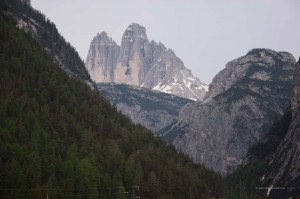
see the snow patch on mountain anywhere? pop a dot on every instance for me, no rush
(139, 62)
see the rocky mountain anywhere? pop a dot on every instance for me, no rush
(44, 31)
(243, 102)
(152, 109)
(61, 139)
(102, 58)
(271, 167)
(283, 166)
(142, 63)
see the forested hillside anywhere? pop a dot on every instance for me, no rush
(58, 137)
(45, 31)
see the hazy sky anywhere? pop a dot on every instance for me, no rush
(204, 34)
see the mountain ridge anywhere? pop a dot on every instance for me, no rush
(283, 166)
(153, 109)
(273, 163)
(244, 100)
(54, 44)
(141, 62)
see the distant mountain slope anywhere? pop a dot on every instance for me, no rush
(243, 102)
(60, 139)
(34, 22)
(152, 109)
(141, 63)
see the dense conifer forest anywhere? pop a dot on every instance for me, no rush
(45, 31)
(62, 139)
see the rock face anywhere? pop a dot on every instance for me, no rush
(102, 58)
(141, 63)
(243, 102)
(152, 109)
(283, 166)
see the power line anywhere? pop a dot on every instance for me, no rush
(61, 189)
(40, 191)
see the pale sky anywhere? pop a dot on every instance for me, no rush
(204, 34)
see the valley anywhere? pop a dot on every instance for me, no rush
(132, 121)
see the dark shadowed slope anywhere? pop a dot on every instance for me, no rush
(59, 137)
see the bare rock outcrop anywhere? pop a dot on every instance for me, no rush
(141, 63)
(283, 166)
(243, 102)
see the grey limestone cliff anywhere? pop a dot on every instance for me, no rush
(283, 166)
(142, 63)
(135, 56)
(243, 101)
(102, 57)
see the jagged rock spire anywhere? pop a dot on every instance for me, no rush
(142, 63)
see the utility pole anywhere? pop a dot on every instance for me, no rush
(133, 194)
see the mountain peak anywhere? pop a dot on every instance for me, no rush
(103, 39)
(243, 101)
(102, 34)
(265, 53)
(135, 30)
(255, 51)
(242, 68)
(135, 27)
(101, 70)
(142, 63)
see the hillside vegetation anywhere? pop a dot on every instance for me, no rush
(58, 137)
